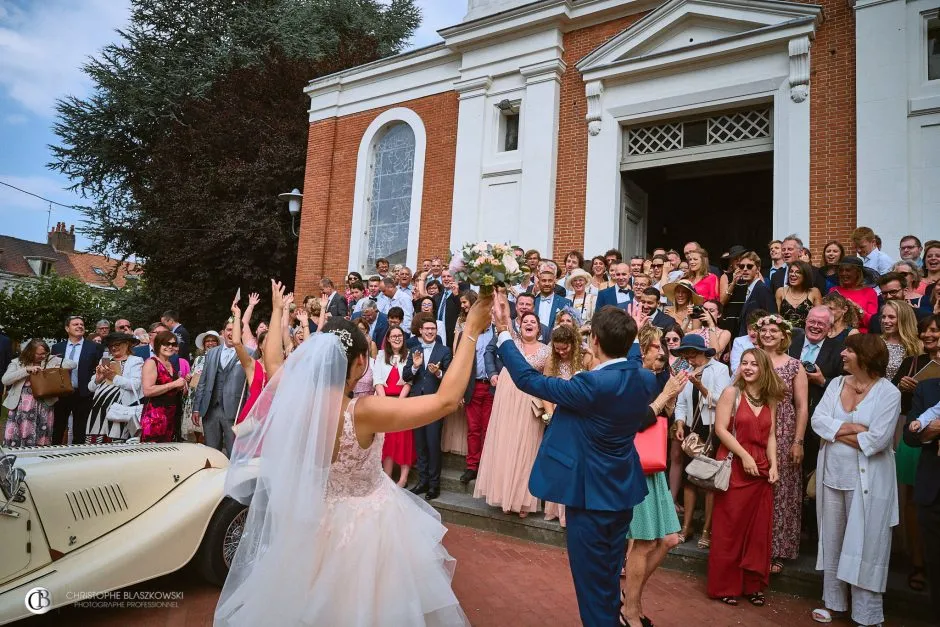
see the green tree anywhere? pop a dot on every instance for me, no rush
(196, 123)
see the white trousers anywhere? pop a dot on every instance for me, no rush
(867, 607)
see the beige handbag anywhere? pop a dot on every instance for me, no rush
(692, 444)
(712, 474)
(50, 382)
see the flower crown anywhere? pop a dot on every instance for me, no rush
(783, 323)
(345, 339)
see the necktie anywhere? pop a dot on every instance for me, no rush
(442, 308)
(809, 352)
(73, 348)
(623, 290)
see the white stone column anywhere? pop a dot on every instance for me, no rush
(603, 207)
(539, 146)
(471, 118)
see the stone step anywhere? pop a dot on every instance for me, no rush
(450, 482)
(462, 509)
(453, 461)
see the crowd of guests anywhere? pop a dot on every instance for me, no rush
(819, 382)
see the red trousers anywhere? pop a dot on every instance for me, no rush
(478, 419)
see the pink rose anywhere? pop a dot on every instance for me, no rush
(457, 265)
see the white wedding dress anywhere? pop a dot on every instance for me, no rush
(329, 542)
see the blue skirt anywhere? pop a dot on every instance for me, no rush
(655, 517)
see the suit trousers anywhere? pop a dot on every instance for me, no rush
(478, 419)
(428, 445)
(79, 407)
(596, 545)
(217, 430)
(929, 517)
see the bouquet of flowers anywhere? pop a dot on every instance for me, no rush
(487, 265)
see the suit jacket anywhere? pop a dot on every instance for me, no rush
(761, 297)
(587, 458)
(423, 382)
(608, 296)
(233, 393)
(451, 311)
(337, 306)
(87, 362)
(662, 320)
(144, 353)
(558, 302)
(182, 336)
(828, 360)
(381, 327)
(819, 281)
(927, 479)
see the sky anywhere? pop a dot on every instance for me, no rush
(43, 44)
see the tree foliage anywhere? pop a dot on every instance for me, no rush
(39, 307)
(195, 124)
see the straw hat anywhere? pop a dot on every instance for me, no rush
(577, 273)
(202, 338)
(670, 291)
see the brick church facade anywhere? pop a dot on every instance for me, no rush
(590, 124)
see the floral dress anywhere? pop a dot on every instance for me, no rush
(788, 495)
(188, 428)
(896, 354)
(159, 414)
(30, 424)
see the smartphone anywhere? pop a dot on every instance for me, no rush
(238, 295)
(679, 365)
(106, 362)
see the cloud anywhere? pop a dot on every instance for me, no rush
(435, 15)
(44, 44)
(15, 119)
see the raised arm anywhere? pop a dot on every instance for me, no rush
(381, 414)
(273, 353)
(246, 360)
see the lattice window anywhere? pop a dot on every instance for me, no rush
(737, 126)
(389, 204)
(708, 131)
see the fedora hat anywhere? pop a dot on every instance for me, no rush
(670, 291)
(577, 273)
(695, 342)
(735, 251)
(116, 337)
(202, 338)
(869, 276)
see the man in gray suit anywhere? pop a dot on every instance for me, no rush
(220, 394)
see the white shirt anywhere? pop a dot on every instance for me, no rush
(482, 341)
(73, 352)
(715, 378)
(738, 347)
(878, 261)
(228, 352)
(621, 297)
(545, 309)
(609, 362)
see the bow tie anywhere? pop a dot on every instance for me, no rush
(623, 290)
(373, 298)
(426, 346)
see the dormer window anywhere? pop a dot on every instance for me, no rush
(41, 266)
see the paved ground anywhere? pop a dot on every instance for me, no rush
(500, 581)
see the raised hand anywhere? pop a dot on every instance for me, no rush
(675, 384)
(236, 310)
(480, 314)
(636, 312)
(277, 295)
(500, 309)
(417, 359)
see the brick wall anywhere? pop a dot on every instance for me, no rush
(832, 132)
(329, 187)
(832, 203)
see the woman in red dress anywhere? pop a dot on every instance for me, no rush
(399, 447)
(164, 389)
(852, 277)
(742, 521)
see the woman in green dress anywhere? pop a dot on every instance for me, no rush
(654, 529)
(907, 457)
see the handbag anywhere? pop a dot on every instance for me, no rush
(50, 382)
(712, 474)
(538, 408)
(651, 447)
(692, 445)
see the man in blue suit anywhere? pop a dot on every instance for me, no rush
(378, 321)
(587, 459)
(426, 366)
(78, 403)
(620, 295)
(547, 302)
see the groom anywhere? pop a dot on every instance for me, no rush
(587, 460)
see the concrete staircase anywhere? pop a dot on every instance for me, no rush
(800, 577)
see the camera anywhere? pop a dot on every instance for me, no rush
(698, 311)
(809, 366)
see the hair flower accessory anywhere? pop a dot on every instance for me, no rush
(345, 339)
(783, 323)
(487, 265)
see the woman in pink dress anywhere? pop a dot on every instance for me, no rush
(514, 433)
(705, 283)
(565, 361)
(253, 366)
(399, 447)
(163, 387)
(852, 286)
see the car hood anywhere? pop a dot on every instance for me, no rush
(84, 492)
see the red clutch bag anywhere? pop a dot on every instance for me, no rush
(651, 447)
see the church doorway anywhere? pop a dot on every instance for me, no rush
(717, 202)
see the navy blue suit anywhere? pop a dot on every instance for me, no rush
(609, 297)
(144, 353)
(588, 462)
(761, 297)
(381, 327)
(558, 302)
(79, 402)
(428, 437)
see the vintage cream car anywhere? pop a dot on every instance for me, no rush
(80, 520)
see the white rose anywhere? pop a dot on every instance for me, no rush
(480, 248)
(510, 263)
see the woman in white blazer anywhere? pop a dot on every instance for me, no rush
(117, 382)
(29, 422)
(856, 482)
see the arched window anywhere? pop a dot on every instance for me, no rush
(388, 204)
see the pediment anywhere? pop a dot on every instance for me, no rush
(689, 28)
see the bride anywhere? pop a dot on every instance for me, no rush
(329, 538)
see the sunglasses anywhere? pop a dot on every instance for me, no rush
(172, 344)
(746, 266)
(658, 265)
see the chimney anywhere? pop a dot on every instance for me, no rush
(61, 239)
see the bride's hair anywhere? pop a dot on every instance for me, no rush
(359, 345)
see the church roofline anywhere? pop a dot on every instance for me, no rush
(409, 58)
